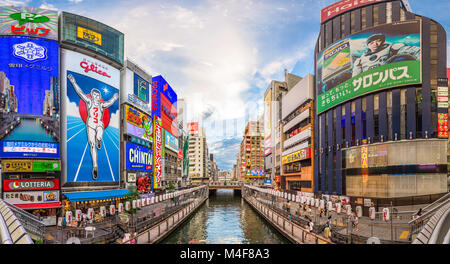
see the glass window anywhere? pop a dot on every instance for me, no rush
(363, 17)
(389, 115)
(403, 113)
(388, 12)
(375, 15)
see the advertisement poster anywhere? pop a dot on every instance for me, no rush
(193, 127)
(343, 6)
(169, 116)
(296, 156)
(141, 88)
(92, 109)
(267, 123)
(28, 80)
(374, 59)
(157, 153)
(171, 142)
(31, 197)
(138, 124)
(138, 158)
(442, 125)
(29, 22)
(30, 166)
(30, 185)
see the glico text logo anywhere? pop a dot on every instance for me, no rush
(92, 67)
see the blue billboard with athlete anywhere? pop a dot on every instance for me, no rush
(92, 110)
(29, 118)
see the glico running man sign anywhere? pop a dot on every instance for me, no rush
(375, 59)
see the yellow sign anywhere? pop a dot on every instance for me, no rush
(89, 35)
(296, 156)
(364, 157)
(18, 166)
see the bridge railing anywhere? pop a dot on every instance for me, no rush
(226, 183)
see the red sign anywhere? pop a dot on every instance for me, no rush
(169, 116)
(343, 6)
(30, 185)
(30, 31)
(442, 125)
(193, 127)
(180, 154)
(277, 179)
(157, 153)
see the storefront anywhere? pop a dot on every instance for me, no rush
(34, 186)
(139, 167)
(93, 200)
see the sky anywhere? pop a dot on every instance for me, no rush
(219, 55)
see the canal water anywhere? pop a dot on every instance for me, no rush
(225, 219)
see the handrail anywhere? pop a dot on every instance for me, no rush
(17, 234)
(29, 221)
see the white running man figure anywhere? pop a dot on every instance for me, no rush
(94, 122)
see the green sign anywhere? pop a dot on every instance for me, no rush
(44, 166)
(387, 76)
(24, 18)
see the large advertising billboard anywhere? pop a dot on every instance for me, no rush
(267, 123)
(170, 141)
(28, 80)
(193, 127)
(29, 22)
(374, 59)
(135, 90)
(93, 35)
(164, 104)
(138, 124)
(92, 126)
(138, 158)
(169, 116)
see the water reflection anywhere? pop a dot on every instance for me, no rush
(225, 219)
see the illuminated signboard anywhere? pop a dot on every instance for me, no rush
(169, 116)
(30, 166)
(89, 35)
(193, 127)
(171, 142)
(30, 22)
(27, 185)
(267, 123)
(374, 59)
(138, 158)
(164, 104)
(18, 198)
(343, 6)
(29, 68)
(296, 156)
(141, 88)
(138, 124)
(442, 125)
(157, 153)
(91, 92)
(93, 35)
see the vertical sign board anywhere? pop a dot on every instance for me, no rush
(267, 123)
(141, 88)
(442, 101)
(157, 143)
(91, 92)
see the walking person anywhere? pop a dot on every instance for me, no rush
(356, 223)
(311, 227)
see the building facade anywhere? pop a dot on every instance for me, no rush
(381, 96)
(298, 137)
(198, 159)
(252, 152)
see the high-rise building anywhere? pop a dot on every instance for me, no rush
(198, 157)
(272, 125)
(297, 137)
(381, 105)
(252, 152)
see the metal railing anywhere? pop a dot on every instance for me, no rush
(11, 229)
(30, 222)
(416, 225)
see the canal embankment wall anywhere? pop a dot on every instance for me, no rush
(161, 230)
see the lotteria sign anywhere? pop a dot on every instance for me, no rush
(343, 6)
(28, 185)
(157, 152)
(138, 158)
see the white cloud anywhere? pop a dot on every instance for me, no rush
(46, 5)
(76, 1)
(14, 2)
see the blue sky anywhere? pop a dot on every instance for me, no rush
(219, 55)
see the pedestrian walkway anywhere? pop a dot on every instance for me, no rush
(395, 232)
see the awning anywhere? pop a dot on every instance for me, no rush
(38, 206)
(98, 195)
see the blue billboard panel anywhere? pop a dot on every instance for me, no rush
(29, 114)
(138, 158)
(171, 142)
(164, 88)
